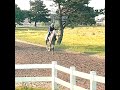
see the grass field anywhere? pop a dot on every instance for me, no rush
(28, 88)
(89, 40)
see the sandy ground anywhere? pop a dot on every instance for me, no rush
(26, 53)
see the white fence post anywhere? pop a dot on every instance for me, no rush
(72, 78)
(73, 74)
(92, 82)
(54, 74)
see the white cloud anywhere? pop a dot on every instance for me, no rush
(97, 4)
(23, 4)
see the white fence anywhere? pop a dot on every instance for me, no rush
(73, 73)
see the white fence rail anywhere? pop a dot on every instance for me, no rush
(73, 73)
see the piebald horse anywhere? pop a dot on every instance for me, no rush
(50, 42)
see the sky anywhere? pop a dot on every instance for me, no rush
(24, 4)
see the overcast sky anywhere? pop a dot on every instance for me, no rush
(24, 4)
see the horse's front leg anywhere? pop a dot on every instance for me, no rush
(52, 47)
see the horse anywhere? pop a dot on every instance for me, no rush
(50, 42)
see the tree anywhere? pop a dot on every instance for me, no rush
(25, 13)
(39, 12)
(100, 11)
(76, 11)
(19, 15)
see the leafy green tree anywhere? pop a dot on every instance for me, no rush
(25, 13)
(100, 11)
(39, 12)
(19, 15)
(76, 12)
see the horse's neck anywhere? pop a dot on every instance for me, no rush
(52, 34)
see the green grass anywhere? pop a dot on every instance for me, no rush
(90, 40)
(31, 28)
(28, 88)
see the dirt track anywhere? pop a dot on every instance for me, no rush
(31, 54)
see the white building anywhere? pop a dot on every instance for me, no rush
(100, 20)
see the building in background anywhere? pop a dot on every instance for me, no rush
(100, 20)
